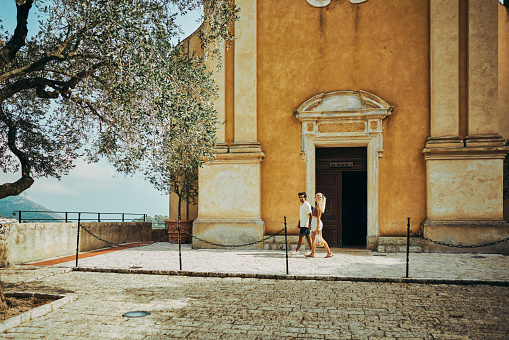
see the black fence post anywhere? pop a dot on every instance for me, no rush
(407, 244)
(98, 217)
(180, 251)
(286, 246)
(66, 217)
(19, 216)
(78, 239)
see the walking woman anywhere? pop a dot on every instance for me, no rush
(317, 225)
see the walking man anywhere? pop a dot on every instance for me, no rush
(304, 221)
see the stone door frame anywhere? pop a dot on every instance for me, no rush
(346, 119)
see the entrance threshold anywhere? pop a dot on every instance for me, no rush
(350, 249)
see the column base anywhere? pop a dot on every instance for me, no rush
(245, 147)
(372, 242)
(445, 142)
(230, 231)
(221, 148)
(466, 233)
(484, 141)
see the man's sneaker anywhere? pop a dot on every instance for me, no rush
(294, 252)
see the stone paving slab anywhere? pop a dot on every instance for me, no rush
(244, 308)
(164, 256)
(252, 308)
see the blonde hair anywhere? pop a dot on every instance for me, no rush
(321, 201)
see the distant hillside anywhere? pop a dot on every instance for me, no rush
(20, 202)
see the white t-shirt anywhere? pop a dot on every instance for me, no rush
(305, 210)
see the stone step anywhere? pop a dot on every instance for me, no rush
(385, 244)
(399, 245)
(278, 243)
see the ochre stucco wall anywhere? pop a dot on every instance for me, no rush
(503, 71)
(503, 81)
(378, 46)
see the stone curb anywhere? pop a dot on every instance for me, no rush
(63, 271)
(60, 300)
(295, 277)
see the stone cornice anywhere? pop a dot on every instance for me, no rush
(497, 152)
(239, 157)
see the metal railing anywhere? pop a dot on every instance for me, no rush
(179, 231)
(74, 216)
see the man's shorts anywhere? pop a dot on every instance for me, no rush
(304, 231)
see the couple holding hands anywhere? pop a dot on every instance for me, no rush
(311, 219)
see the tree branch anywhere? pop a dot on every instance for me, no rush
(16, 188)
(85, 104)
(39, 64)
(9, 50)
(26, 181)
(40, 83)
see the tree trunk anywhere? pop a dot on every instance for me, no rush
(3, 301)
(179, 216)
(16, 188)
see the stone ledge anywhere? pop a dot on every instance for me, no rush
(60, 300)
(398, 245)
(297, 277)
(278, 243)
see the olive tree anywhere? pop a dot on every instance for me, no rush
(99, 79)
(107, 78)
(174, 167)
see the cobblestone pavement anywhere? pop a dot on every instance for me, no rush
(246, 308)
(357, 264)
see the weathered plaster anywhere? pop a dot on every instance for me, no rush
(503, 72)
(245, 78)
(483, 67)
(343, 46)
(444, 49)
(455, 180)
(229, 201)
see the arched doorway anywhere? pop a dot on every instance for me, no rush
(346, 119)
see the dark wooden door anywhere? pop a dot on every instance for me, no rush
(329, 184)
(341, 177)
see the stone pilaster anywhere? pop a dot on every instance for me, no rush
(245, 137)
(220, 101)
(229, 203)
(482, 71)
(464, 174)
(444, 63)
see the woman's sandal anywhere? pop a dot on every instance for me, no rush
(310, 255)
(329, 255)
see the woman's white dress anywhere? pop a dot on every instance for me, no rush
(314, 223)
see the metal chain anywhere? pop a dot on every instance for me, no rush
(167, 236)
(127, 246)
(418, 235)
(235, 245)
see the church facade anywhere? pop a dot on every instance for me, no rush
(393, 109)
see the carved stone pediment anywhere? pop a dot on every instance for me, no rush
(344, 103)
(344, 114)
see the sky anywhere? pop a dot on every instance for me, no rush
(93, 187)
